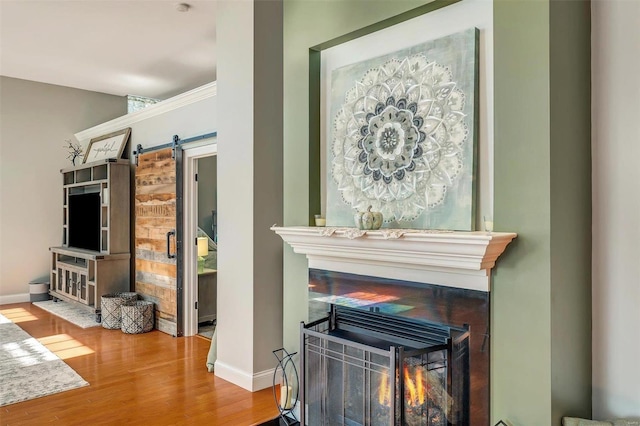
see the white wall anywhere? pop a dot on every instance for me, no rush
(35, 121)
(616, 208)
(249, 35)
(195, 119)
(187, 115)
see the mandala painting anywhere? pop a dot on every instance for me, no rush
(402, 136)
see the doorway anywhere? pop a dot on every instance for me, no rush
(200, 232)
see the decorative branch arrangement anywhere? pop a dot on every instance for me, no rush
(74, 150)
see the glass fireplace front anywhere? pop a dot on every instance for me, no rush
(361, 367)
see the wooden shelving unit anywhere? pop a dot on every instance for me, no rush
(83, 275)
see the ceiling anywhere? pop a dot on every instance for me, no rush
(121, 47)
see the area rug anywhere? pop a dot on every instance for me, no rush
(70, 312)
(29, 370)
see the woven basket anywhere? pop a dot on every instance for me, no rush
(110, 305)
(137, 317)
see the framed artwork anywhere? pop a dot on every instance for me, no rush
(402, 136)
(107, 146)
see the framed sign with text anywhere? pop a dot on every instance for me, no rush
(107, 146)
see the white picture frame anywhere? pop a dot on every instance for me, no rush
(107, 146)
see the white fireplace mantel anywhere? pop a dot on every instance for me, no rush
(449, 258)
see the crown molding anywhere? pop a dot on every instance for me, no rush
(179, 101)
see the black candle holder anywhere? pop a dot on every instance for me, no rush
(290, 381)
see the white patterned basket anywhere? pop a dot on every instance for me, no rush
(137, 317)
(110, 305)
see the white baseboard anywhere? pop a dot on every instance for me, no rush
(14, 298)
(251, 382)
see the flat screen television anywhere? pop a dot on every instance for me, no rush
(84, 221)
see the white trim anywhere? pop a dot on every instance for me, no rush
(179, 101)
(454, 259)
(251, 382)
(15, 298)
(264, 379)
(190, 203)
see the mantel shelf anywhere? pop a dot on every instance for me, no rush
(451, 258)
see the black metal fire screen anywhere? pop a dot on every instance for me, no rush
(368, 368)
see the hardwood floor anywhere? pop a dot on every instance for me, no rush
(143, 379)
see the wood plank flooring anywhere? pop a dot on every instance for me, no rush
(143, 379)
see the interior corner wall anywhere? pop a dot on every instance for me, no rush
(541, 312)
(521, 282)
(36, 120)
(570, 150)
(267, 181)
(616, 208)
(249, 317)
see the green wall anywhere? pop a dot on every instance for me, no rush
(541, 332)
(570, 100)
(541, 295)
(521, 293)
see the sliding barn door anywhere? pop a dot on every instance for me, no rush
(158, 234)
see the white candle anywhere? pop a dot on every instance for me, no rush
(488, 223)
(285, 397)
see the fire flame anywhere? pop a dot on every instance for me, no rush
(415, 388)
(384, 391)
(419, 384)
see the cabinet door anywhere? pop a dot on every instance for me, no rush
(69, 279)
(158, 235)
(83, 289)
(60, 283)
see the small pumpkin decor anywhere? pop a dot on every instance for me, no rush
(368, 220)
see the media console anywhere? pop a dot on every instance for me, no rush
(94, 258)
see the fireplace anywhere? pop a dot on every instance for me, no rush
(398, 328)
(430, 341)
(364, 367)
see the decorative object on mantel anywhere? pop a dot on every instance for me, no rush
(368, 220)
(403, 136)
(350, 233)
(74, 150)
(107, 146)
(386, 233)
(488, 224)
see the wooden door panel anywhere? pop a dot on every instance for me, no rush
(155, 212)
